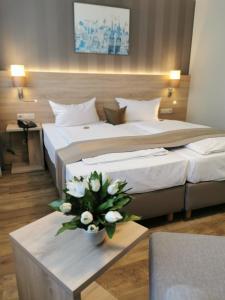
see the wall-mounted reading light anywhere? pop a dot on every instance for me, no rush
(174, 81)
(18, 78)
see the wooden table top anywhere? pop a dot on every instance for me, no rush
(69, 257)
(14, 128)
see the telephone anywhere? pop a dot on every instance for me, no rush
(26, 124)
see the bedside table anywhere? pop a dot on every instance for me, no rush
(35, 159)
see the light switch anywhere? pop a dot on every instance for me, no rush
(26, 116)
(166, 111)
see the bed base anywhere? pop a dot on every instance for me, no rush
(158, 203)
(50, 165)
(147, 205)
(168, 201)
(203, 194)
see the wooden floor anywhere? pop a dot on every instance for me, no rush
(24, 198)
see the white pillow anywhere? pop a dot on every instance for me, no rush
(208, 146)
(74, 114)
(140, 110)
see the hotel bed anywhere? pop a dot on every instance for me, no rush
(153, 196)
(205, 184)
(205, 179)
(158, 182)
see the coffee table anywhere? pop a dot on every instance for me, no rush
(65, 267)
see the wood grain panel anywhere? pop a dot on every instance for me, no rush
(75, 88)
(40, 35)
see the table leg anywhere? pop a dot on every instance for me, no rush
(188, 214)
(170, 217)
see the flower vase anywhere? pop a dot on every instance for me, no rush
(95, 238)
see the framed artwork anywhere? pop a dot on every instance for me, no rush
(101, 29)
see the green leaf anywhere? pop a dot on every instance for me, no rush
(122, 186)
(56, 204)
(94, 175)
(127, 217)
(75, 219)
(67, 226)
(88, 201)
(61, 230)
(101, 220)
(121, 203)
(110, 229)
(103, 190)
(106, 205)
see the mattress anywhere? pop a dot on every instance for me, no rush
(143, 175)
(203, 167)
(53, 140)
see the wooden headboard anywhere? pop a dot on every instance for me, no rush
(77, 87)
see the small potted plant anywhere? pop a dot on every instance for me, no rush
(96, 204)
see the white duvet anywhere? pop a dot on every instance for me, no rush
(208, 146)
(56, 138)
(203, 167)
(144, 173)
(99, 130)
(113, 157)
(154, 127)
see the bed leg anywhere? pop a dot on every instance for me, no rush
(170, 217)
(188, 214)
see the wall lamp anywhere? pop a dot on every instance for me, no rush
(174, 81)
(18, 79)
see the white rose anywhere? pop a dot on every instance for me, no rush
(95, 185)
(92, 228)
(113, 188)
(76, 188)
(113, 216)
(86, 218)
(65, 207)
(105, 177)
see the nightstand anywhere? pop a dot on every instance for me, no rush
(35, 153)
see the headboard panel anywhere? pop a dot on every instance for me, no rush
(77, 87)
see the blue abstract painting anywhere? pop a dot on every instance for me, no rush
(101, 29)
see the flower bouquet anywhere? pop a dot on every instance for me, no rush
(96, 204)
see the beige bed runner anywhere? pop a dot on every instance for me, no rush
(79, 150)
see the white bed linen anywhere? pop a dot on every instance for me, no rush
(198, 168)
(120, 156)
(203, 167)
(142, 174)
(56, 138)
(99, 130)
(53, 140)
(208, 146)
(154, 127)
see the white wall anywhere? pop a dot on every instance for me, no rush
(207, 91)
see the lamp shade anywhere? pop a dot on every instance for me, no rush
(175, 76)
(18, 75)
(17, 71)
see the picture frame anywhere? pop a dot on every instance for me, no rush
(101, 29)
